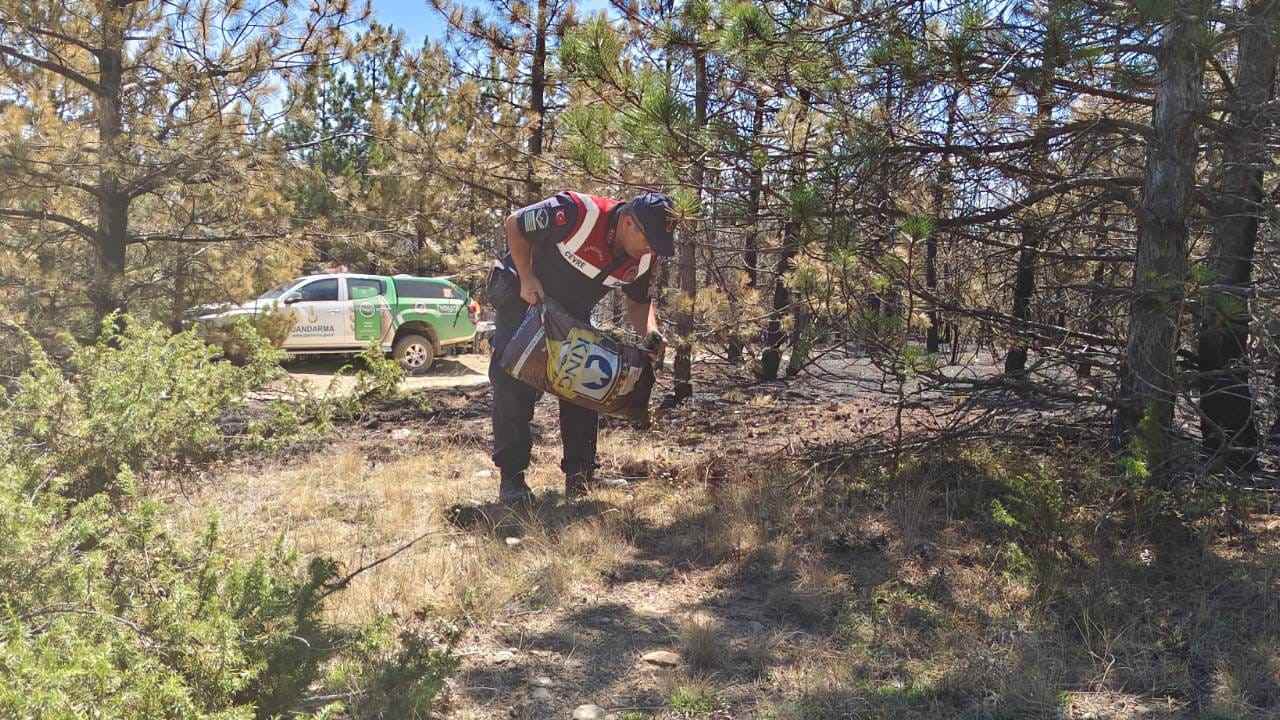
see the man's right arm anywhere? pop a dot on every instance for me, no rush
(522, 256)
(549, 221)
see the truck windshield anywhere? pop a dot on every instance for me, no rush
(276, 291)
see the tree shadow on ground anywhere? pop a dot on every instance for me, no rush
(446, 366)
(548, 513)
(871, 606)
(602, 644)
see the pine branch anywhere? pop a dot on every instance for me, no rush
(53, 67)
(202, 239)
(84, 230)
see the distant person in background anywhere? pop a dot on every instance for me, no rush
(572, 248)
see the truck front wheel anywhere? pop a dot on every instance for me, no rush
(415, 353)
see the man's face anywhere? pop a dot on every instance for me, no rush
(631, 236)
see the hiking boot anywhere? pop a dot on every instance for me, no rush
(513, 490)
(578, 484)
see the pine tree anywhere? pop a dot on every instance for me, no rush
(136, 125)
(1228, 424)
(1160, 273)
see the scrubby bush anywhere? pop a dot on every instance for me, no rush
(134, 397)
(397, 675)
(103, 609)
(237, 339)
(377, 376)
(106, 613)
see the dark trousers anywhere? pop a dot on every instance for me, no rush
(513, 400)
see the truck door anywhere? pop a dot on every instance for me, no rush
(370, 310)
(318, 317)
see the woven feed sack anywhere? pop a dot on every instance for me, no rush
(556, 353)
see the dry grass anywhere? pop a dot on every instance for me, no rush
(342, 506)
(703, 644)
(803, 601)
(912, 509)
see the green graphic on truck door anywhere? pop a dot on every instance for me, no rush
(368, 320)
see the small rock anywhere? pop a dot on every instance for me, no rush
(542, 681)
(588, 712)
(662, 658)
(502, 657)
(926, 550)
(483, 474)
(541, 694)
(513, 541)
(401, 434)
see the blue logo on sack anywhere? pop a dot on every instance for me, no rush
(605, 372)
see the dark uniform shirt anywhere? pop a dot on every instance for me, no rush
(552, 221)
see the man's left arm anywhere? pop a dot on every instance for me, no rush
(643, 316)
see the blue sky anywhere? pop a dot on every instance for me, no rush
(418, 19)
(415, 17)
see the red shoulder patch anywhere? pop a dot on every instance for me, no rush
(560, 218)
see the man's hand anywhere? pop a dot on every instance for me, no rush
(656, 347)
(531, 289)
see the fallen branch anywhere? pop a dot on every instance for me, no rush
(346, 580)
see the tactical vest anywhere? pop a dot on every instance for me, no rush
(587, 249)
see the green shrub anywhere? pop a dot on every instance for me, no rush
(694, 698)
(377, 376)
(105, 613)
(133, 398)
(103, 609)
(397, 676)
(238, 340)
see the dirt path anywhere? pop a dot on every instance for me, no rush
(453, 371)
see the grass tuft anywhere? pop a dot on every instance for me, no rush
(703, 644)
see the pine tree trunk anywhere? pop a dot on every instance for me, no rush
(178, 303)
(753, 200)
(1226, 399)
(113, 201)
(933, 340)
(419, 246)
(751, 254)
(1098, 301)
(537, 103)
(801, 344)
(1024, 286)
(682, 368)
(771, 358)
(1155, 312)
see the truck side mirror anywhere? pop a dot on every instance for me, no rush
(291, 298)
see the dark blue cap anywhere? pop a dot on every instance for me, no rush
(657, 217)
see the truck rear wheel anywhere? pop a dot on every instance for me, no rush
(415, 353)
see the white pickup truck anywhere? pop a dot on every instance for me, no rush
(413, 318)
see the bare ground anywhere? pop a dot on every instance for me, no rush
(790, 583)
(320, 375)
